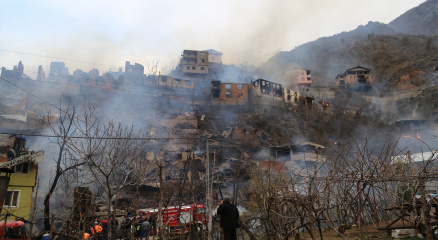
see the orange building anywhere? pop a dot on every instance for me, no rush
(229, 93)
(356, 77)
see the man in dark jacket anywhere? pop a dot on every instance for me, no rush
(229, 219)
(11, 153)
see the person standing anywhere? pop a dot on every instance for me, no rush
(11, 153)
(145, 229)
(96, 231)
(229, 219)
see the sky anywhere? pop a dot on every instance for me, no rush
(104, 34)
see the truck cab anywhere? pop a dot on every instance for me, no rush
(15, 230)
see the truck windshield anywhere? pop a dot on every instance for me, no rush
(15, 233)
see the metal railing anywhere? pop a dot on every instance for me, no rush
(28, 157)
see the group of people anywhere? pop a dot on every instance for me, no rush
(97, 231)
(141, 228)
(18, 147)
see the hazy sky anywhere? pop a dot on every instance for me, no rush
(106, 33)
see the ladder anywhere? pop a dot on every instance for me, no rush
(28, 157)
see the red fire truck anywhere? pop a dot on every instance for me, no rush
(194, 214)
(15, 230)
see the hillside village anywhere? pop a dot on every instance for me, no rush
(306, 136)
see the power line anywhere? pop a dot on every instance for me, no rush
(41, 135)
(33, 95)
(192, 91)
(65, 59)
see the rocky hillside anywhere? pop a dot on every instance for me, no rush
(390, 51)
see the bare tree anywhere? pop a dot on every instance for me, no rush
(111, 153)
(63, 129)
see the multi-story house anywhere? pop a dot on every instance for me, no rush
(18, 200)
(357, 77)
(304, 79)
(193, 61)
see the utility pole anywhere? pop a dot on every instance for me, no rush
(208, 194)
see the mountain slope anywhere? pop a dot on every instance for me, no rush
(421, 20)
(387, 52)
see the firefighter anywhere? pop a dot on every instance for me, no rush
(96, 231)
(86, 236)
(11, 153)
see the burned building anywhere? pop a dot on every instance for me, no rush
(245, 135)
(136, 68)
(41, 76)
(193, 61)
(170, 82)
(15, 73)
(355, 78)
(58, 71)
(261, 88)
(300, 156)
(229, 93)
(304, 79)
(214, 56)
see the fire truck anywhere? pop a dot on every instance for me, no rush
(15, 230)
(194, 214)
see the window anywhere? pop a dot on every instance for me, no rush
(239, 86)
(256, 84)
(303, 79)
(188, 67)
(177, 81)
(247, 132)
(188, 83)
(227, 86)
(12, 199)
(193, 68)
(202, 68)
(263, 83)
(202, 53)
(22, 168)
(202, 60)
(351, 77)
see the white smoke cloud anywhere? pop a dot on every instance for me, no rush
(111, 32)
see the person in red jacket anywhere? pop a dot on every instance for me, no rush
(229, 219)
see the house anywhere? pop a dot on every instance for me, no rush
(245, 135)
(193, 61)
(18, 200)
(170, 82)
(355, 78)
(214, 56)
(266, 89)
(304, 151)
(303, 78)
(229, 93)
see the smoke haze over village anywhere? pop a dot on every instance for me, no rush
(103, 34)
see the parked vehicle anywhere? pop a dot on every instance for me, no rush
(15, 230)
(191, 215)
